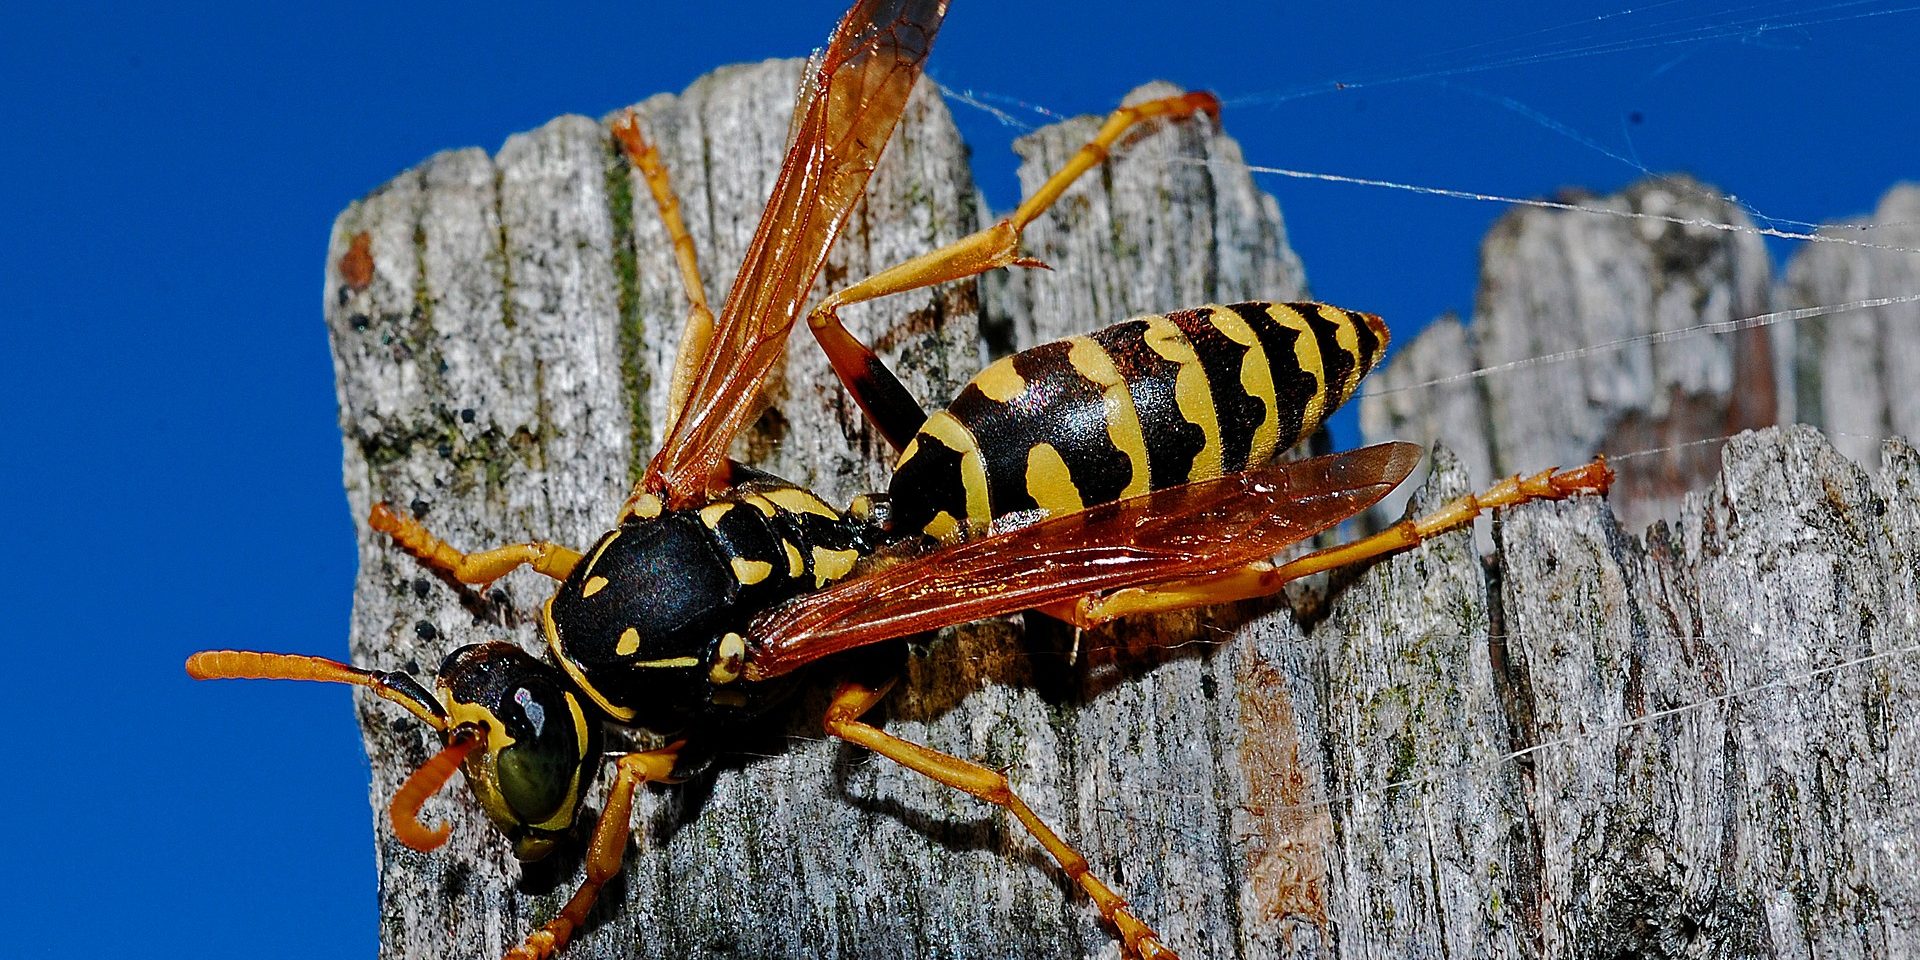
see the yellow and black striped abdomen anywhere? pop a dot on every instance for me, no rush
(1151, 402)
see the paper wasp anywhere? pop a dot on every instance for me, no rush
(1125, 472)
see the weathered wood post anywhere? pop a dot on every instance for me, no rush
(1256, 787)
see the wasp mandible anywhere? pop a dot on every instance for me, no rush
(1128, 471)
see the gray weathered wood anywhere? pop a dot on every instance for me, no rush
(1853, 373)
(1552, 283)
(1258, 789)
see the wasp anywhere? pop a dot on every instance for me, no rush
(1129, 471)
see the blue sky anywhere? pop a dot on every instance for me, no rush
(170, 172)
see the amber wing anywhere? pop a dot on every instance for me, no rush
(852, 97)
(1192, 530)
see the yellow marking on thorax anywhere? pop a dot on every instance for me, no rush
(1306, 350)
(593, 585)
(711, 514)
(800, 501)
(831, 565)
(761, 503)
(630, 644)
(1192, 392)
(644, 506)
(796, 564)
(602, 548)
(946, 428)
(1123, 421)
(1050, 483)
(750, 572)
(667, 662)
(1000, 382)
(729, 657)
(573, 670)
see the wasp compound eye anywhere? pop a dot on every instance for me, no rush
(536, 772)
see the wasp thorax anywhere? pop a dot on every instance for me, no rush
(648, 625)
(539, 747)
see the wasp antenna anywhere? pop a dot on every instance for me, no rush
(424, 783)
(250, 665)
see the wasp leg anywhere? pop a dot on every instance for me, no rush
(851, 700)
(604, 852)
(699, 329)
(487, 566)
(1263, 578)
(888, 404)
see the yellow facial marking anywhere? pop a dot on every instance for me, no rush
(1123, 421)
(1000, 382)
(579, 724)
(459, 713)
(573, 669)
(1191, 392)
(1050, 483)
(800, 501)
(796, 564)
(830, 565)
(629, 642)
(711, 514)
(750, 572)
(947, 429)
(594, 585)
(1256, 381)
(728, 659)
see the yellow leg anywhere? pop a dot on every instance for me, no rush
(604, 853)
(853, 700)
(1263, 578)
(545, 558)
(699, 329)
(891, 408)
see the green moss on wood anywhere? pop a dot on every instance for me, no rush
(636, 380)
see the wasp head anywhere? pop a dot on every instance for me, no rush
(537, 748)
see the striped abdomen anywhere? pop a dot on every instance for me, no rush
(1152, 402)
